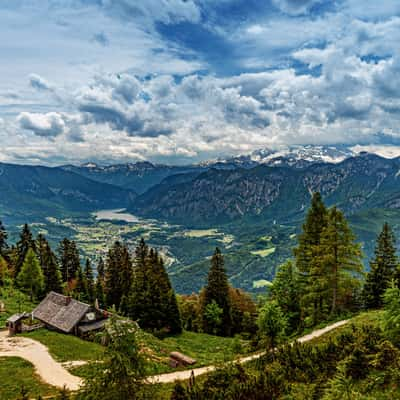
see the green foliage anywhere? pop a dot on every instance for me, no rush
(3, 240)
(212, 317)
(285, 290)
(272, 323)
(122, 370)
(152, 301)
(69, 259)
(217, 290)
(31, 278)
(391, 316)
(384, 268)
(5, 275)
(89, 281)
(24, 243)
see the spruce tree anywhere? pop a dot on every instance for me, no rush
(24, 243)
(217, 290)
(118, 275)
(100, 296)
(285, 290)
(308, 263)
(81, 287)
(89, 280)
(340, 258)
(101, 269)
(69, 259)
(48, 262)
(3, 240)
(383, 268)
(5, 277)
(30, 278)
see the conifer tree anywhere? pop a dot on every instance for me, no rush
(30, 278)
(3, 240)
(69, 259)
(340, 258)
(101, 269)
(152, 301)
(217, 289)
(100, 296)
(81, 287)
(285, 290)
(308, 263)
(4, 272)
(89, 280)
(118, 275)
(383, 268)
(49, 264)
(25, 243)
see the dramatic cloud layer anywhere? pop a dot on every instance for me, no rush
(181, 81)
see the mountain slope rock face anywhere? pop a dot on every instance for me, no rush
(280, 193)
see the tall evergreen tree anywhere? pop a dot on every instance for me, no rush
(4, 272)
(69, 259)
(285, 290)
(89, 280)
(3, 240)
(118, 275)
(308, 262)
(383, 268)
(30, 278)
(48, 262)
(81, 287)
(101, 269)
(24, 243)
(340, 258)
(217, 290)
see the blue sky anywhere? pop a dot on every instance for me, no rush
(183, 81)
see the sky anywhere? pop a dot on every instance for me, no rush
(181, 81)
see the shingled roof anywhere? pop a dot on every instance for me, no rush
(60, 312)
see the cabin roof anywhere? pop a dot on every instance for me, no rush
(16, 317)
(60, 312)
(92, 326)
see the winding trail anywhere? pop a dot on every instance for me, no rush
(54, 373)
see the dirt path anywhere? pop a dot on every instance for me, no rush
(184, 375)
(46, 367)
(55, 374)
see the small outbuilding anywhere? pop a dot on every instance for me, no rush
(14, 323)
(177, 359)
(67, 315)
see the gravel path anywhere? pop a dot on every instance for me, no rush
(184, 375)
(46, 367)
(55, 374)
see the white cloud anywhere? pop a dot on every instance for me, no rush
(48, 125)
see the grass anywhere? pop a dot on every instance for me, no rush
(15, 373)
(15, 302)
(198, 233)
(66, 347)
(261, 283)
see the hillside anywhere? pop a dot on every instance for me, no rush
(274, 193)
(31, 193)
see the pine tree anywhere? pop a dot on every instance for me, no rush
(383, 268)
(152, 301)
(5, 277)
(90, 281)
(285, 290)
(340, 258)
(3, 240)
(217, 289)
(101, 269)
(31, 277)
(118, 275)
(81, 287)
(25, 243)
(308, 263)
(100, 296)
(49, 264)
(69, 259)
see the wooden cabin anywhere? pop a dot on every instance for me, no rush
(67, 315)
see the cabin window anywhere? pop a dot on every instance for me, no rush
(91, 316)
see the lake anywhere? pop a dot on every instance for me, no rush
(115, 215)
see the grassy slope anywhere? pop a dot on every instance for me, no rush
(14, 301)
(10, 387)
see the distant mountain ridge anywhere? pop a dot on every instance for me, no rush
(219, 196)
(33, 192)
